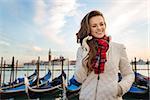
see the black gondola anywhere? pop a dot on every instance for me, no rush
(19, 91)
(52, 89)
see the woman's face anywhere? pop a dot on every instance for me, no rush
(97, 26)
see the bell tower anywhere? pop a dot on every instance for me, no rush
(49, 55)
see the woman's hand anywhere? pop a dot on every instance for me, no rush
(85, 46)
(84, 43)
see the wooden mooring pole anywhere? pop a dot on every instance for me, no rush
(16, 69)
(38, 65)
(135, 68)
(1, 71)
(4, 72)
(68, 72)
(12, 72)
(148, 67)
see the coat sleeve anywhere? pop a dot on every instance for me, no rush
(80, 71)
(126, 72)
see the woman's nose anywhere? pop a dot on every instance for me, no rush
(99, 27)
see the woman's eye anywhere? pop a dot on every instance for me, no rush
(101, 24)
(93, 26)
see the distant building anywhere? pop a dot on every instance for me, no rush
(49, 55)
(72, 62)
(141, 62)
(55, 61)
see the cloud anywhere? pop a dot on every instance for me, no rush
(51, 17)
(4, 43)
(36, 49)
(127, 23)
(40, 12)
(31, 48)
(124, 14)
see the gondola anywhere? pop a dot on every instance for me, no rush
(73, 89)
(141, 80)
(19, 91)
(137, 92)
(52, 89)
(18, 82)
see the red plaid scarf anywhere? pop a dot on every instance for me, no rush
(102, 45)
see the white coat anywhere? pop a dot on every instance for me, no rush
(107, 87)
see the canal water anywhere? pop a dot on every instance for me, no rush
(56, 71)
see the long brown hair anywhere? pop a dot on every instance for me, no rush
(84, 31)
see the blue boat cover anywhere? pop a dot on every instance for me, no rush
(135, 89)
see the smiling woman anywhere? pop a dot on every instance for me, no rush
(97, 26)
(99, 60)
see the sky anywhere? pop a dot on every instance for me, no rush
(29, 28)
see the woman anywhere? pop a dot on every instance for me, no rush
(99, 60)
